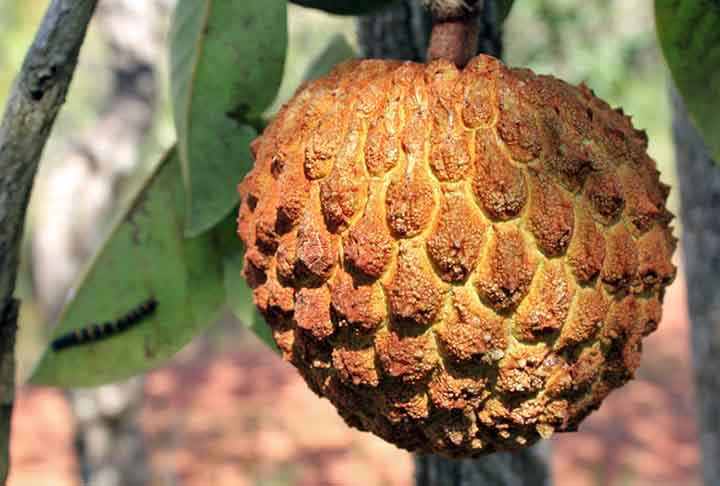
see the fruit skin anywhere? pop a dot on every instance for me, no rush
(462, 262)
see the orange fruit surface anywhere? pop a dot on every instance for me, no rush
(461, 261)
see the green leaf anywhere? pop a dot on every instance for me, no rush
(144, 256)
(225, 160)
(503, 8)
(344, 7)
(237, 292)
(226, 62)
(689, 33)
(337, 50)
(240, 300)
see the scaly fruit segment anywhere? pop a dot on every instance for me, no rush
(462, 262)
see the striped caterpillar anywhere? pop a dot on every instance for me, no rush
(97, 332)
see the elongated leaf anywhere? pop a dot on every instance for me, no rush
(226, 66)
(145, 256)
(689, 33)
(240, 300)
(337, 50)
(344, 7)
(225, 160)
(237, 292)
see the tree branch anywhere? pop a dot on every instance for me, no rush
(454, 40)
(32, 106)
(456, 29)
(398, 31)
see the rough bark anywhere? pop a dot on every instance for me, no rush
(526, 468)
(81, 191)
(401, 31)
(32, 106)
(699, 178)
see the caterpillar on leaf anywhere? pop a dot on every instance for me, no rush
(96, 332)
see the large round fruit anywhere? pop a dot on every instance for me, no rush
(460, 261)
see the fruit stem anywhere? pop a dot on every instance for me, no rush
(455, 30)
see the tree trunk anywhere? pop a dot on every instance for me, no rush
(81, 193)
(699, 178)
(402, 31)
(34, 102)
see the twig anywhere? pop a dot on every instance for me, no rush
(455, 30)
(32, 106)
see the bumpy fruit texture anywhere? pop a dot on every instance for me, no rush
(462, 262)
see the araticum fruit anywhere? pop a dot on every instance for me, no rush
(460, 261)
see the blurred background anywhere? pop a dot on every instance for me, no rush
(226, 410)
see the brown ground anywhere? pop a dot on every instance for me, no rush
(244, 417)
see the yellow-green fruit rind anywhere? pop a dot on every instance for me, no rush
(461, 261)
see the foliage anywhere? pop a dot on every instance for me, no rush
(689, 33)
(145, 256)
(222, 78)
(153, 249)
(239, 297)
